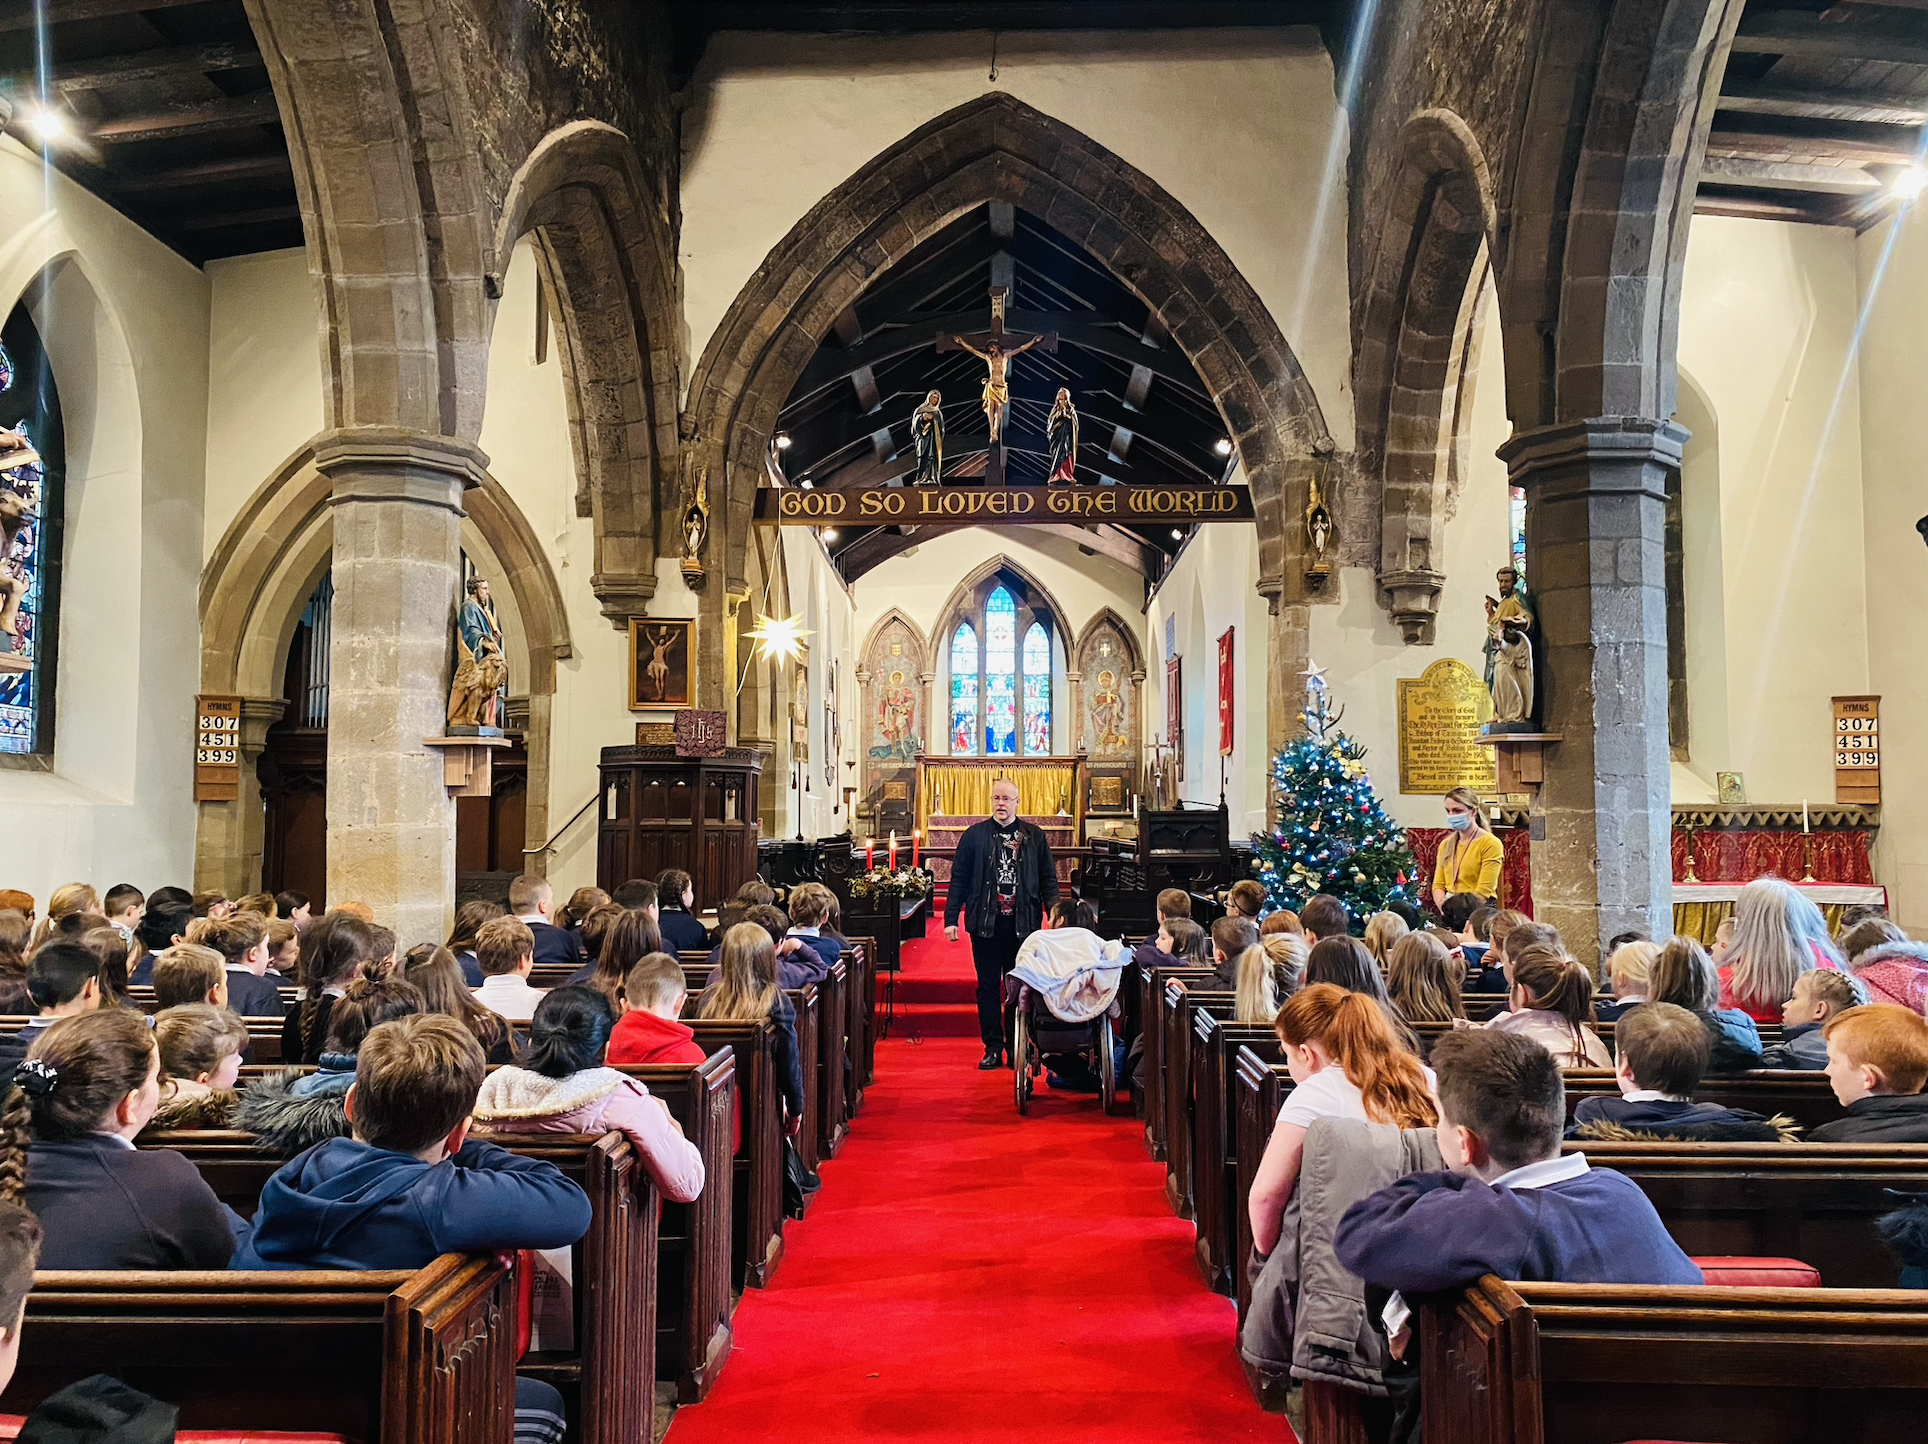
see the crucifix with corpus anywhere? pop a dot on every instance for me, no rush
(996, 356)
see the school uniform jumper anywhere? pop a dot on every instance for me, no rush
(105, 1204)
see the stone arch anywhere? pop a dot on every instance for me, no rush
(606, 259)
(259, 578)
(895, 615)
(1133, 648)
(394, 206)
(996, 148)
(1131, 685)
(961, 594)
(1413, 330)
(1038, 599)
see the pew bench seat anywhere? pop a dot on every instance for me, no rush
(12, 1424)
(1729, 1272)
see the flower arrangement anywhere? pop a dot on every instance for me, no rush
(907, 881)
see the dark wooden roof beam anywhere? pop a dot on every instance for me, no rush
(1843, 180)
(209, 173)
(25, 14)
(199, 118)
(222, 220)
(1789, 138)
(167, 63)
(1899, 40)
(1741, 98)
(1109, 541)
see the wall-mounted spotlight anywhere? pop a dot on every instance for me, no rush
(1909, 183)
(1223, 446)
(48, 124)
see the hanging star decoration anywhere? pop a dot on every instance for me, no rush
(779, 636)
(1314, 676)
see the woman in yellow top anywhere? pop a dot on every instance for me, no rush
(1469, 856)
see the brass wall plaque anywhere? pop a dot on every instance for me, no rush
(1440, 712)
(897, 792)
(1107, 792)
(655, 734)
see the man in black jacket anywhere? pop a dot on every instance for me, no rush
(1002, 881)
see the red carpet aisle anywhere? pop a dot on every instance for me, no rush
(969, 1275)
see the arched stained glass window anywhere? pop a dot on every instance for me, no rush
(1000, 674)
(30, 477)
(1037, 691)
(964, 690)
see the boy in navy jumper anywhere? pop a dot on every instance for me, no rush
(1511, 1204)
(1662, 1053)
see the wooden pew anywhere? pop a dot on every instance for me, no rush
(809, 1051)
(1806, 1097)
(422, 1357)
(1259, 1086)
(1177, 1001)
(1151, 986)
(1429, 1033)
(550, 975)
(611, 1372)
(264, 1034)
(1514, 1363)
(832, 1059)
(756, 1218)
(1817, 1202)
(141, 995)
(1215, 1044)
(862, 959)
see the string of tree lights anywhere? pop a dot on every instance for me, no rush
(1332, 836)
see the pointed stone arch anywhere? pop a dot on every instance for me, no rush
(896, 615)
(1414, 327)
(607, 260)
(1133, 646)
(997, 148)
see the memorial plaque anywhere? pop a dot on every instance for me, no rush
(1107, 792)
(217, 749)
(897, 792)
(655, 734)
(1440, 713)
(1857, 749)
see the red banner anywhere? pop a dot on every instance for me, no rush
(1225, 730)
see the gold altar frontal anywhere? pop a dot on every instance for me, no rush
(954, 792)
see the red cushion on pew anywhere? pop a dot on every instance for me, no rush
(1759, 1273)
(11, 1424)
(525, 1300)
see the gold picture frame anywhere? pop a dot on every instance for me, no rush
(662, 664)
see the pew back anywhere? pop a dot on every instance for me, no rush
(1151, 989)
(1598, 1364)
(422, 1357)
(1179, 1000)
(1214, 1165)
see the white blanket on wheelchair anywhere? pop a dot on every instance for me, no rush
(1074, 970)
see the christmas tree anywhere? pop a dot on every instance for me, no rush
(1332, 835)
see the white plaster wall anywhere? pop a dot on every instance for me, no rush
(1892, 269)
(1767, 320)
(125, 321)
(810, 800)
(1240, 126)
(264, 377)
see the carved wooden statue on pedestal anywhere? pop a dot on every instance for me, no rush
(481, 670)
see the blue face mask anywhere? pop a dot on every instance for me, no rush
(1459, 821)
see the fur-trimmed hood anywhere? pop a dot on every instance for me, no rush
(517, 1093)
(193, 1105)
(1915, 954)
(285, 1122)
(1778, 1129)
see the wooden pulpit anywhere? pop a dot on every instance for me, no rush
(660, 810)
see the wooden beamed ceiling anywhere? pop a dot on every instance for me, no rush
(1821, 109)
(165, 112)
(1144, 414)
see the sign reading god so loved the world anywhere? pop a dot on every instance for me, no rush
(939, 506)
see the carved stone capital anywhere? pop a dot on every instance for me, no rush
(1413, 599)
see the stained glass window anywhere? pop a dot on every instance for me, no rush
(1516, 515)
(964, 690)
(1000, 674)
(30, 475)
(1037, 691)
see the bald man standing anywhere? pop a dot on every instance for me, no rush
(1003, 880)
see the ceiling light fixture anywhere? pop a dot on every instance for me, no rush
(830, 535)
(806, 483)
(48, 125)
(783, 443)
(1910, 183)
(1177, 535)
(1223, 446)
(779, 636)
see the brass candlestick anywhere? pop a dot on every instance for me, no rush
(1693, 842)
(1807, 857)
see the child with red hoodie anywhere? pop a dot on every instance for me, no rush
(649, 1032)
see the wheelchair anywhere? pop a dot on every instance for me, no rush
(1038, 1033)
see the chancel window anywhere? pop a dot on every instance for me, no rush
(31, 473)
(1001, 701)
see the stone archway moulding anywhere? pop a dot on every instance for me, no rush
(996, 148)
(1440, 217)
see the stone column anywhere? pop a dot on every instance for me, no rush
(397, 499)
(1288, 650)
(1596, 496)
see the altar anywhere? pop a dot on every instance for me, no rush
(954, 792)
(1701, 907)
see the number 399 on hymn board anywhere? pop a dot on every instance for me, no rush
(217, 749)
(1001, 505)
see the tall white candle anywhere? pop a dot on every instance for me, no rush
(1804, 817)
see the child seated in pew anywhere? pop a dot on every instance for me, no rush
(650, 1031)
(1422, 979)
(1662, 1054)
(1509, 1203)
(506, 950)
(810, 907)
(63, 980)
(201, 1049)
(411, 1185)
(1346, 1062)
(290, 1111)
(1173, 905)
(1552, 1002)
(1878, 1064)
(242, 942)
(1628, 967)
(560, 1086)
(435, 972)
(190, 973)
(676, 917)
(1491, 975)
(1683, 974)
(1819, 995)
(744, 988)
(797, 965)
(89, 1085)
(1244, 969)
(333, 949)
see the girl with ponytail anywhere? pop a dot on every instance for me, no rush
(1552, 1003)
(89, 1084)
(333, 950)
(1245, 968)
(1346, 1062)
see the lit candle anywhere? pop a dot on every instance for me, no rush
(916, 837)
(893, 849)
(870, 853)
(1804, 817)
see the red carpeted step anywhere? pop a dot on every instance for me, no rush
(967, 1274)
(938, 1020)
(913, 989)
